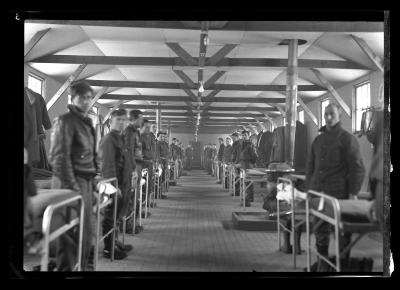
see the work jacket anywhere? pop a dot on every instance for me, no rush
(235, 152)
(189, 153)
(248, 154)
(174, 152)
(73, 148)
(111, 155)
(226, 157)
(221, 152)
(162, 151)
(133, 144)
(148, 148)
(265, 147)
(335, 166)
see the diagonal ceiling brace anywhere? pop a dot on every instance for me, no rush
(333, 92)
(369, 52)
(34, 40)
(65, 86)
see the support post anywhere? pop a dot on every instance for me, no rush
(158, 118)
(291, 102)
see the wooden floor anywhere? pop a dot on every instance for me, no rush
(190, 231)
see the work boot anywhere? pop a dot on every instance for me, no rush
(138, 229)
(163, 196)
(118, 254)
(125, 248)
(322, 265)
(219, 182)
(247, 203)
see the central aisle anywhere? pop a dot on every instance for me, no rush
(186, 233)
(190, 231)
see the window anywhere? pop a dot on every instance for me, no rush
(362, 101)
(324, 104)
(301, 116)
(35, 83)
(69, 100)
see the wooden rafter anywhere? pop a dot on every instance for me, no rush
(183, 54)
(65, 86)
(179, 62)
(33, 41)
(369, 52)
(177, 86)
(333, 92)
(97, 96)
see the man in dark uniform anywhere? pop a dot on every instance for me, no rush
(73, 160)
(247, 158)
(189, 157)
(226, 157)
(148, 150)
(115, 163)
(134, 147)
(219, 157)
(334, 167)
(235, 158)
(162, 154)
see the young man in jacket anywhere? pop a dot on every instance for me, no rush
(115, 163)
(219, 157)
(334, 167)
(73, 160)
(149, 150)
(235, 159)
(226, 157)
(247, 159)
(162, 154)
(134, 147)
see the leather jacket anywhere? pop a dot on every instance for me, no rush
(73, 148)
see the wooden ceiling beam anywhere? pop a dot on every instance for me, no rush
(183, 108)
(181, 86)
(179, 62)
(34, 41)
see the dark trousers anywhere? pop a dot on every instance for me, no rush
(188, 163)
(149, 166)
(108, 220)
(322, 235)
(67, 245)
(249, 192)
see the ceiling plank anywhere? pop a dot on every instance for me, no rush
(183, 108)
(177, 86)
(369, 52)
(184, 99)
(332, 91)
(179, 62)
(33, 41)
(65, 86)
(213, 79)
(183, 54)
(301, 26)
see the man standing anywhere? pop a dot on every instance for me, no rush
(189, 157)
(247, 158)
(226, 158)
(148, 149)
(162, 153)
(73, 160)
(235, 159)
(334, 167)
(219, 157)
(134, 148)
(115, 163)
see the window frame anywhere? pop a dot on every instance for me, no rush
(39, 78)
(321, 115)
(354, 103)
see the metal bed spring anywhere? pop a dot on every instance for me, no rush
(132, 214)
(49, 236)
(99, 206)
(243, 178)
(293, 213)
(339, 228)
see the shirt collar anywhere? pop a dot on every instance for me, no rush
(334, 129)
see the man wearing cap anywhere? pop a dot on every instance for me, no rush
(247, 158)
(235, 159)
(226, 157)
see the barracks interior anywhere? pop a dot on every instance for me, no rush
(204, 146)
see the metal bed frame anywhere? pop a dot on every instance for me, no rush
(293, 214)
(174, 170)
(99, 206)
(157, 183)
(224, 175)
(145, 173)
(243, 178)
(233, 180)
(339, 228)
(49, 236)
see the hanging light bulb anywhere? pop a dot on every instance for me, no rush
(201, 88)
